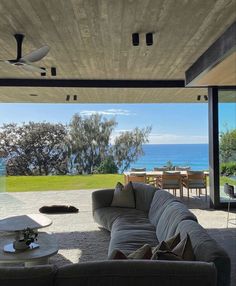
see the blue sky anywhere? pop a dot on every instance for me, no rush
(171, 123)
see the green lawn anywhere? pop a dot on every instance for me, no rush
(47, 183)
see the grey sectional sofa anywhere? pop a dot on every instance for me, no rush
(158, 216)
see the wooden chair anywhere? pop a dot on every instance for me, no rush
(137, 177)
(171, 181)
(195, 180)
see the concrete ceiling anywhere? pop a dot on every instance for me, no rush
(91, 39)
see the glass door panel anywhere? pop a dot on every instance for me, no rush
(227, 140)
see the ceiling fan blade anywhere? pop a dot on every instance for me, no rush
(36, 55)
(32, 68)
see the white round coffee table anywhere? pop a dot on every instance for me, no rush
(36, 253)
(21, 222)
(48, 247)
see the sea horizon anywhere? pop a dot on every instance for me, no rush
(157, 155)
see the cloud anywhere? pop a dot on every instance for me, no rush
(107, 112)
(171, 138)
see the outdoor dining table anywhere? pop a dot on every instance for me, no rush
(155, 174)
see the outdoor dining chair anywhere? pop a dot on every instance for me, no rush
(195, 180)
(229, 191)
(137, 177)
(171, 181)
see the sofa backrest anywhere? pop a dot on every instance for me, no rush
(27, 276)
(143, 195)
(137, 273)
(161, 200)
(207, 249)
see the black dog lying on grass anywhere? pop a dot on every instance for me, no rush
(58, 209)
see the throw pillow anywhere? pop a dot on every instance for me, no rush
(184, 249)
(165, 255)
(144, 252)
(173, 241)
(123, 196)
(117, 254)
(169, 244)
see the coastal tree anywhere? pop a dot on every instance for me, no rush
(34, 148)
(128, 147)
(228, 146)
(89, 142)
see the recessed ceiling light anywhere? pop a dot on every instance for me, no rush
(135, 39)
(149, 39)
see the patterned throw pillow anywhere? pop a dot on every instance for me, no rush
(123, 196)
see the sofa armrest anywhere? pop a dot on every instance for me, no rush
(138, 272)
(102, 198)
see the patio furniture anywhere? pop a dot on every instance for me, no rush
(229, 191)
(160, 168)
(171, 181)
(138, 170)
(187, 168)
(157, 216)
(136, 177)
(195, 180)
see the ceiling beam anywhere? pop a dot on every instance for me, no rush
(91, 83)
(213, 57)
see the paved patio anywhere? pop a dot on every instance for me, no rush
(80, 239)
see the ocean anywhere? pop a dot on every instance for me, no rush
(157, 155)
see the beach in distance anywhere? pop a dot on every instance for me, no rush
(157, 155)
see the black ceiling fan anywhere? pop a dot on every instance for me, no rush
(26, 61)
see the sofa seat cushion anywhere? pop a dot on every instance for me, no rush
(133, 221)
(130, 240)
(106, 216)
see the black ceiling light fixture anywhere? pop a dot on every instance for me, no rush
(43, 73)
(53, 71)
(26, 61)
(71, 97)
(199, 97)
(149, 39)
(206, 97)
(135, 39)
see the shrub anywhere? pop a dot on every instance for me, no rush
(107, 166)
(228, 168)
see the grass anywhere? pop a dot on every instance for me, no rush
(49, 183)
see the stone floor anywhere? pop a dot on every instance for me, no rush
(80, 239)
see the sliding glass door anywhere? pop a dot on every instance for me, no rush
(227, 140)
